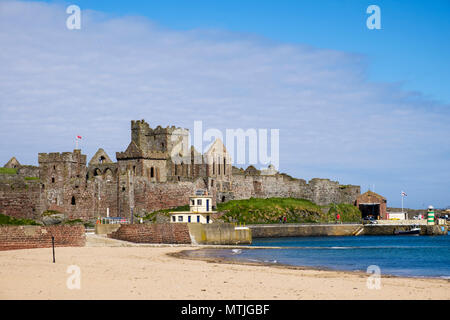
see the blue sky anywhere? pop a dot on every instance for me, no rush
(365, 107)
(412, 48)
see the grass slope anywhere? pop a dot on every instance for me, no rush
(258, 211)
(7, 220)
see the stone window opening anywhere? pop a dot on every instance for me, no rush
(152, 172)
(224, 166)
(53, 180)
(223, 198)
(54, 167)
(101, 159)
(73, 200)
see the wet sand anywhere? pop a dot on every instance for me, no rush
(160, 273)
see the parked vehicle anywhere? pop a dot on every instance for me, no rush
(370, 219)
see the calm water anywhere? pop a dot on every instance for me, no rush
(412, 256)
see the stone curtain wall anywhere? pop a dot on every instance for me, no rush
(177, 233)
(29, 237)
(19, 198)
(27, 199)
(150, 197)
(320, 191)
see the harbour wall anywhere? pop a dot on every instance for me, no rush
(183, 233)
(219, 233)
(318, 230)
(432, 230)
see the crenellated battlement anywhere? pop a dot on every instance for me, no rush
(74, 157)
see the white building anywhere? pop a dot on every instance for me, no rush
(200, 210)
(396, 216)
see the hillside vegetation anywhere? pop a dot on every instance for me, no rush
(258, 211)
(7, 220)
(255, 211)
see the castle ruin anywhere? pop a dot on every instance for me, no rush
(147, 177)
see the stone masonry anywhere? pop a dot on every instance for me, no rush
(158, 170)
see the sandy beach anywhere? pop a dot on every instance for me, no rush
(150, 273)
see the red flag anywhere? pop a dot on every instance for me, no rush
(78, 137)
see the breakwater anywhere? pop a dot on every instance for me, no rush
(317, 230)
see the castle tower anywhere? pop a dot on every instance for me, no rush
(63, 177)
(139, 131)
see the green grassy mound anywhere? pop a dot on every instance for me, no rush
(258, 211)
(254, 211)
(7, 220)
(8, 171)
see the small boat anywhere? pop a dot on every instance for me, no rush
(415, 230)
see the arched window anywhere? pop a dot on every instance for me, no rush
(53, 180)
(73, 200)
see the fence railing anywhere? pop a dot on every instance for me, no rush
(114, 220)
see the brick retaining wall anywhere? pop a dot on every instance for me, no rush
(153, 233)
(29, 237)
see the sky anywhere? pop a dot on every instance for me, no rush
(360, 106)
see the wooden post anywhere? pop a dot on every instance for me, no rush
(53, 247)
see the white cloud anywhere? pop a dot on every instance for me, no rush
(57, 83)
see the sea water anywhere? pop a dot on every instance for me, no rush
(411, 256)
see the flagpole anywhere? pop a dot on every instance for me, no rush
(402, 201)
